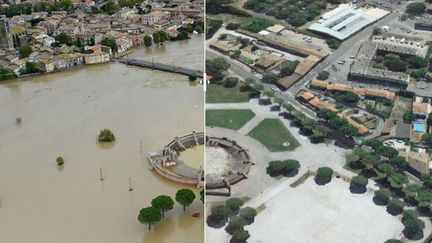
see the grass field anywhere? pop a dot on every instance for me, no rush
(220, 94)
(272, 133)
(231, 119)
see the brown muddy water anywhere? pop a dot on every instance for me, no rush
(61, 115)
(193, 156)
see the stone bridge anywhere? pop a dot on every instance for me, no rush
(161, 67)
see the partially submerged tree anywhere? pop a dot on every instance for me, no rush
(185, 197)
(163, 203)
(60, 161)
(149, 216)
(106, 136)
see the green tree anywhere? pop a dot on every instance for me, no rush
(359, 182)
(407, 117)
(25, 51)
(234, 204)
(373, 143)
(324, 174)
(323, 75)
(105, 136)
(248, 214)
(219, 213)
(416, 8)
(326, 114)
(202, 195)
(427, 180)
(110, 7)
(64, 38)
(60, 161)
(185, 197)
(393, 241)
(270, 78)
(382, 196)
(240, 236)
(399, 162)
(395, 206)
(288, 68)
(427, 139)
(78, 42)
(147, 41)
(109, 42)
(199, 29)
(235, 223)
(277, 168)
(149, 216)
(163, 203)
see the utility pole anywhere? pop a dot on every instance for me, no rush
(101, 176)
(130, 185)
(141, 146)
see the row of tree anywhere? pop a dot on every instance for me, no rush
(38, 6)
(338, 123)
(163, 203)
(236, 217)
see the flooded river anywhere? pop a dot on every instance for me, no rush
(61, 116)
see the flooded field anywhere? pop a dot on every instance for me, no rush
(193, 156)
(61, 115)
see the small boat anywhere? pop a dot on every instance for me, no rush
(196, 214)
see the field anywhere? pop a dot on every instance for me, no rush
(231, 119)
(274, 136)
(220, 94)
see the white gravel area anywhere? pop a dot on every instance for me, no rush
(330, 213)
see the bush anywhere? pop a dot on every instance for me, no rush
(106, 136)
(60, 161)
(277, 168)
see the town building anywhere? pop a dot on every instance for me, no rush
(346, 20)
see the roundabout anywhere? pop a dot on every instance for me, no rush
(181, 160)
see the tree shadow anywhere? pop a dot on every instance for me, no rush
(275, 108)
(357, 189)
(322, 181)
(417, 236)
(291, 173)
(215, 223)
(379, 201)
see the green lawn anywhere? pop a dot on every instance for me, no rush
(272, 133)
(219, 94)
(231, 119)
